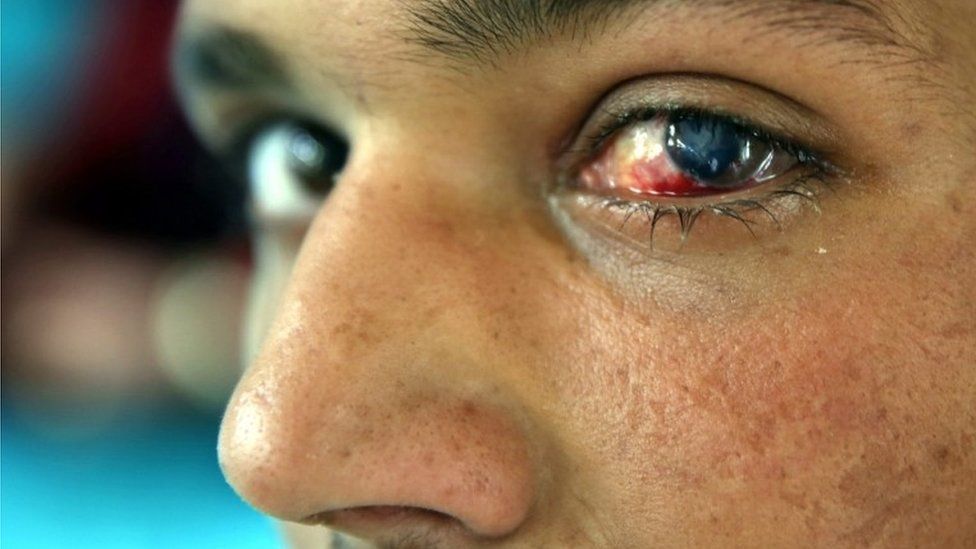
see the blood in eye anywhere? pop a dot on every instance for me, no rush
(636, 162)
(686, 157)
(656, 176)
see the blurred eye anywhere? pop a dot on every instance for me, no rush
(291, 167)
(684, 155)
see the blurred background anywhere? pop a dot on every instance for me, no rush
(124, 264)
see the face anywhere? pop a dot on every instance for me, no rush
(612, 274)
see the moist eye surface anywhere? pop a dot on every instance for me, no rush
(684, 155)
(652, 176)
(291, 167)
(315, 157)
(716, 153)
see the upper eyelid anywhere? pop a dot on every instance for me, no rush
(745, 103)
(236, 117)
(804, 153)
(231, 81)
(626, 118)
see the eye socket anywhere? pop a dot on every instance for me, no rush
(651, 176)
(685, 155)
(291, 167)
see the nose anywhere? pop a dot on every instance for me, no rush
(368, 394)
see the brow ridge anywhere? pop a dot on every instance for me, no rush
(226, 57)
(481, 31)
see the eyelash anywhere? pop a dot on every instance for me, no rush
(805, 187)
(812, 175)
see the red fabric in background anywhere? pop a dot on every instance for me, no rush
(125, 87)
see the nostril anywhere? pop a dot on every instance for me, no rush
(364, 462)
(375, 522)
(377, 513)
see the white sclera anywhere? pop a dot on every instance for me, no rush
(277, 191)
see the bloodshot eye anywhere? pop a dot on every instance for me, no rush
(684, 155)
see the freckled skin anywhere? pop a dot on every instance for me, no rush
(442, 344)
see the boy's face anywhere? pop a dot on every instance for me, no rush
(480, 342)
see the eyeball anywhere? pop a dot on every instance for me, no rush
(291, 167)
(717, 154)
(685, 155)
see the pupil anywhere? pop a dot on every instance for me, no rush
(316, 158)
(307, 152)
(707, 148)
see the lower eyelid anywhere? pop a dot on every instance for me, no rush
(698, 226)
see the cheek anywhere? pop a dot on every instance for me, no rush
(824, 409)
(725, 402)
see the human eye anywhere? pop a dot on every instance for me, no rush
(289, 167)
(657, 173)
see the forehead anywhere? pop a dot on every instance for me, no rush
(364, 49)
(370, 22)
(324, 32)
(343, 34)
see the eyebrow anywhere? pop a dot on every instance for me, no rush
(225, 57)
(484, 30)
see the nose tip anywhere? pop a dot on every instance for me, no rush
(301, 455)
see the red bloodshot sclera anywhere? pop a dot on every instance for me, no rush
(636, 162)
